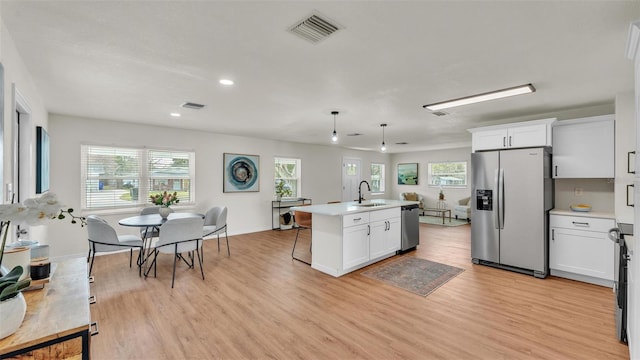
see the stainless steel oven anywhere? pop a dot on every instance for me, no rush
(620, 277)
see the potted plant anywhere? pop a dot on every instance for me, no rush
(283, 189)
(33, 212)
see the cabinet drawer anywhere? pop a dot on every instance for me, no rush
(355, 219)
(581, 223)
(385, 214)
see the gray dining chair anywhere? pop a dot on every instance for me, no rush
(215, 223)
(103, 238)
(148, 233)
(179, 236)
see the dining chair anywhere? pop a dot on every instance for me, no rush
(148, 233)
(303, 220)
(103, 238)
(178, 236)
(215, 223)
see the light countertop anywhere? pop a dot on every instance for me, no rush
(589, 214)
(352, 207)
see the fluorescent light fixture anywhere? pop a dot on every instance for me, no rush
(175, 114)
(492, 95)
(226, 82)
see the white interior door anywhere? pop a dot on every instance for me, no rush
(351, 176)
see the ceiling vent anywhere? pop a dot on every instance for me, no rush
(354, 134)
(439, 113)
(402, 143)
(314, 28)
(190, 105)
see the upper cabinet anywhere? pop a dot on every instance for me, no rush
(584, 148)
(510, 136)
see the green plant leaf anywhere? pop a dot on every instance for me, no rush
(13, 289)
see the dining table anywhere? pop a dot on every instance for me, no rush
(152, 223)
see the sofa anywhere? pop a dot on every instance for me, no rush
(463, 209)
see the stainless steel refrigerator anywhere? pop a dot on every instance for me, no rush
(512, 193)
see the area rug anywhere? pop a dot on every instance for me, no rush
(416, 275)
(437, 220)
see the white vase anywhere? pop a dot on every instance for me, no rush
(12, 314)
(164, 211)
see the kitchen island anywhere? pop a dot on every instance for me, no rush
(348, 236)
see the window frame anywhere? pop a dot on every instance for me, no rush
(383, 176)
(298, 177)
(450, 186)
(142, 176)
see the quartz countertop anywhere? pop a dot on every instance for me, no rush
(352, 207)
(590, 214)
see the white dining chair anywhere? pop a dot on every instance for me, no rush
(215, 223)
(179, 236)
(103, 238)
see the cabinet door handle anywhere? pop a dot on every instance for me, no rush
(92, 300)
(553, 234)
(628, 204)
(556, 170)
(578, 223)
(368, 230)
(629, 171)
(504, 141)
(388, 225)
(357, 219)
(509, 141)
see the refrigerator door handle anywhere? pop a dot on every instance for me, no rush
(496, 199)
(501, 198)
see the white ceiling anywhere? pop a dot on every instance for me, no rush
(137, 61)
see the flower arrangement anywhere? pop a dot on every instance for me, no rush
(165, 199)
(32, 212)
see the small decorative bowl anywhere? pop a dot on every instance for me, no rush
(580, 207)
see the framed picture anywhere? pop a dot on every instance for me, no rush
(241, 173)
(408, 174)
(42, 160)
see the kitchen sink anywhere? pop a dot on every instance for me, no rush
(368, 205)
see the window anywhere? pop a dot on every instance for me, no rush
(377, 178)
(288, 171)
(451, 174)
(114, 177)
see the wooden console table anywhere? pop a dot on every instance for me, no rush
(57, 324)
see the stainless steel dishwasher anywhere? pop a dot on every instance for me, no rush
(410, 227)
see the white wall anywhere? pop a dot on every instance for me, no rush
(248, 212)
(423, 158)
(17, 75)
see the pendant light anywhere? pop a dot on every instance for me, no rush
(334, 136)
(384, 146)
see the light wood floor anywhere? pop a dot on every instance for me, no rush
(259, 304)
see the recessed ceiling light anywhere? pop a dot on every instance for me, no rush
(175, 114)
(226, 82)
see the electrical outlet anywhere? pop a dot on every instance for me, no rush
(579, 192)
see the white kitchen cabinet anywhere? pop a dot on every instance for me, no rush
(516, 135)
(385, 234)
(355, 246)
(584, 148)
(579, 249)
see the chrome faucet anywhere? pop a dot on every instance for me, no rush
(360, 198)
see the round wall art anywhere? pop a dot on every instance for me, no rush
(241, 172)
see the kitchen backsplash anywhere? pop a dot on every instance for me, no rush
(598, 193)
